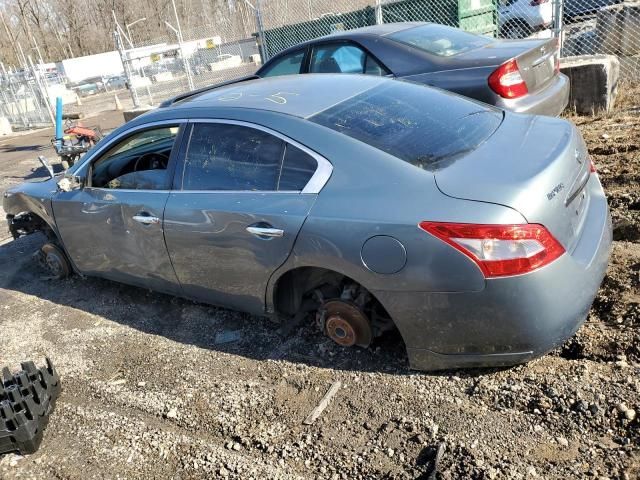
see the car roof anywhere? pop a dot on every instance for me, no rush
(369, 31)
(382, 29)
(297, 95)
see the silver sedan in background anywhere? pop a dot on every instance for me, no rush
(518, 75)
(358, 204)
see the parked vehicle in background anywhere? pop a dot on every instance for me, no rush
(576, 8)
(521, 18)
(87, 89)
(355, 203)
(115, 82)
(224, 61)
(522, 75)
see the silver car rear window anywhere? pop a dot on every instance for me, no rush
(440, 40)
(420, 125)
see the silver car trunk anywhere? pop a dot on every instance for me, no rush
(538, 166)
(538, 65)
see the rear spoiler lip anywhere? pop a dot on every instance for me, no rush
(193, 93)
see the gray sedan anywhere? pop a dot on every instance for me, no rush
(518, 75)
(356, 203)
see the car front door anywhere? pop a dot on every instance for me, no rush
(244, 193)
(112, 227)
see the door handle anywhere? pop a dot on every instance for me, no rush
(265, 231)
(146, 219)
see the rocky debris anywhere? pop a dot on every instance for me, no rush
(193, 408)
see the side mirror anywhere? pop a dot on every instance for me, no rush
(70, 182)
(45, 163)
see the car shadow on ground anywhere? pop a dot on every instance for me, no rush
(10, 148)
(192, 323)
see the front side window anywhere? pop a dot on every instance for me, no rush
(440, 40)
(289, 64)
(139, 162)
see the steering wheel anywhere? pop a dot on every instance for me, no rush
(154, 161)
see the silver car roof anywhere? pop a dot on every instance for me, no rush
(297, 95)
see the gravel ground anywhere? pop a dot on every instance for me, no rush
(151, 389)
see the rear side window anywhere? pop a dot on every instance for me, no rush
(415, 123)
(232, 157)
(440, 40)
(289, 64)
(343, 58)
(223, 157)
(297, 169)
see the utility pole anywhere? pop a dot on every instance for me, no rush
(178, 32)
(126, 66)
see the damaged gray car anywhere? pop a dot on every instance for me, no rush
(359, 203)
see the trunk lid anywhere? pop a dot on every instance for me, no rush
(536, 59)
(538, 166)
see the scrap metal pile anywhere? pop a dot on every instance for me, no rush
(27, 397)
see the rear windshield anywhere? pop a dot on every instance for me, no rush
(421, 125)
(440, 40)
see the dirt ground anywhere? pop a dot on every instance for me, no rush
(151, 389)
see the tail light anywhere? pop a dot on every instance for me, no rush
(592, 166)
(507, 80)
(535, 3)
(500, 250)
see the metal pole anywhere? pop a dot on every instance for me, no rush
(43, 91)
(379, 20)
(559, 13)
(38, 50)
(187, 67)
(263, 46)
(126, 67)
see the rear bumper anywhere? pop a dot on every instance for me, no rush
(513, 319)
(551, 101)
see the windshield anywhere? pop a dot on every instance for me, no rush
(440, 40)
(418, 124)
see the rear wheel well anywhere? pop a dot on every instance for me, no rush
(303, 291)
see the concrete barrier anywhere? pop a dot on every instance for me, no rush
(131, 114)
(5, 126)
(594, 82)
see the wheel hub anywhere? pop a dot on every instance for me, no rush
(55, 261)
(346, 324)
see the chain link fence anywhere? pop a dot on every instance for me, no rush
(24, 99)
(158, 63)
(163, 66)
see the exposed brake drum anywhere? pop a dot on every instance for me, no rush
(52, 258)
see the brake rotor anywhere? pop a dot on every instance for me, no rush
(346, 324)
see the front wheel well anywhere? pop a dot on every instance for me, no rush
(26, 223)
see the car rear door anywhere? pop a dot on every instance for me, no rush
(112, 227)
(241, 196)
(344, 57)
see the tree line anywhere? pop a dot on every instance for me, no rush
(57, 29)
